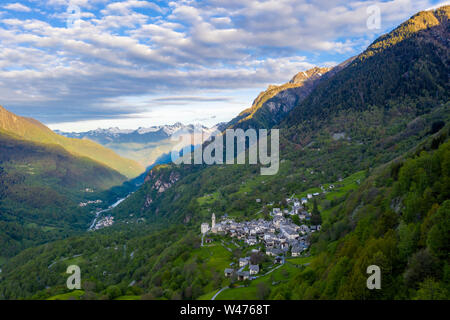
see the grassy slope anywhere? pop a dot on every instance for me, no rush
(74, 295)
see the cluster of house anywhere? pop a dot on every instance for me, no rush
(84, 204)
(253, 269)
(279, 236)
(104, 222)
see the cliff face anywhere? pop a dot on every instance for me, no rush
(161, 182)
(157, 181)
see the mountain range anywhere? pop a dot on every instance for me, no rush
(373, 132)
(144, 145)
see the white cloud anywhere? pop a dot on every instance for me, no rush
(443, 3)
(124, 7)
(17, 7)
(139, 49)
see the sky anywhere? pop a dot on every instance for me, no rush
(79, 65)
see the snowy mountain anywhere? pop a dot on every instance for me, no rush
(144, 145)
(140, 135)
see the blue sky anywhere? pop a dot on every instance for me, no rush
(82, 64)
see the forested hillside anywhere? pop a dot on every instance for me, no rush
(377, 129)
(399, 219)
(332, 133)
(40, 188)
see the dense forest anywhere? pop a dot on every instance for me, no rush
(40, 188)
(399, 220)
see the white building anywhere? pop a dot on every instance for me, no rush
(205, 228)
(251, 241)
(296, 251)
(277, 212)
(289, 232)
(243, 261)
(254, 269)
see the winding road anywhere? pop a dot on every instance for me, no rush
(277, 267)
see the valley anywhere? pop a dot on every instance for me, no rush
(363, 179)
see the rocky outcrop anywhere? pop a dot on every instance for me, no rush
(162, 182)
(309, 75)
(159, 181)
(272, 105)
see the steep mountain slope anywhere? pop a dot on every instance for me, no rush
(40, 188)
(272, 105)
(331, 133)
(399, 220)
(140, 135)
(407, 67)
(365, 226)
(33, 130)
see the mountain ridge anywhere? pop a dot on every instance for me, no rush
(146, 145)
(304, 124)
(115, 134)
(33, 130)
(401, 69)
(273, 104)
(41, 185)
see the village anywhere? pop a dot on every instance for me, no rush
(278, 238)
(104, 222)
(84, 204)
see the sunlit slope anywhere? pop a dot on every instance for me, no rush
(273, 104)
(405, 69)
(33, 130)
